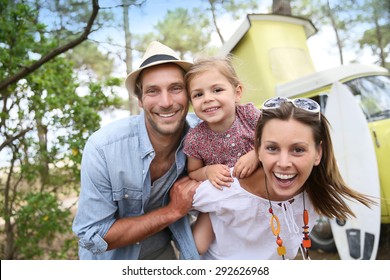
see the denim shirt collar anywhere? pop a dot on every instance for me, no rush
(144, 142)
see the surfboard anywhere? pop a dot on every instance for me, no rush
(355, 238)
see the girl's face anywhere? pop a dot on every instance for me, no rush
(288, 153)
(214, 99)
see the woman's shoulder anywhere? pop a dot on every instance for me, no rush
(206, 193)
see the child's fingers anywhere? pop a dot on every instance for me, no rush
(221, 183)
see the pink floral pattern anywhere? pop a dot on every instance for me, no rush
(224, 147)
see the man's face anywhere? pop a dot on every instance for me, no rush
(164, 99)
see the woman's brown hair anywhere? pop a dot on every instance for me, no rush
(325, 185)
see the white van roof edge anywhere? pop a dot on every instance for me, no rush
(326, 77)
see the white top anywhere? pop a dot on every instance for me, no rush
(241, 223)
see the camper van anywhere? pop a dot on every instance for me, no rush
(370, 86)
(272, 59)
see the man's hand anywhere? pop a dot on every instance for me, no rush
(181, 195)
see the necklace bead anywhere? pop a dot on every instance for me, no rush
(306, 241)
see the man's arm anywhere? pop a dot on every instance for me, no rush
(131, 230)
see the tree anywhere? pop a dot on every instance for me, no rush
(326, 14)
(232, 7)
(196, 26)
(346, 20)
(281, 7)
(27, 69)
(191, 38)
(133, 102)
(193, 34)
(47, 114)
(377, 37)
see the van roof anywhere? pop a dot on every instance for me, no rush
(229, 45)
(327, 77)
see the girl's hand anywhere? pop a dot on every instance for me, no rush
(246, 165)
(218, 175)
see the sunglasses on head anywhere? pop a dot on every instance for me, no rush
(303, 103)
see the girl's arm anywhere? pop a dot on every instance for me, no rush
(203, 232)
(196, 169)
(217, 174)
(246, 165)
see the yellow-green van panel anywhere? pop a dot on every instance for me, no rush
(381, 137)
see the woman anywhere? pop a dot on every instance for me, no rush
(269, 215)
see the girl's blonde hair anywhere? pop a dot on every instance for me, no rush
(325, 186)
(222, 64)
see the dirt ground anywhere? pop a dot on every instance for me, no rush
(383, 250)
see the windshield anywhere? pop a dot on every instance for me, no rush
(373, 94)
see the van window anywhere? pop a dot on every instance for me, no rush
(373, 94)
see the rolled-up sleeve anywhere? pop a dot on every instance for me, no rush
(96, 208)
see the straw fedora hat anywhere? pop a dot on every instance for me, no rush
(155, 54)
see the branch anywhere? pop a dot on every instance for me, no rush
(13, 138)
(55, 52)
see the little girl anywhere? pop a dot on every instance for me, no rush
(299, 180)
(225, 137)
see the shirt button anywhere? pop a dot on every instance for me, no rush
(126, 196)
(233, 144)
(239, 154)
(143, 171)
(227, 135)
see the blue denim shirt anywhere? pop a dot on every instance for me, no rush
(115, 183)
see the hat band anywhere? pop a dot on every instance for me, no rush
(157, 57)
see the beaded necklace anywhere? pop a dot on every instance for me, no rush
(306, 242)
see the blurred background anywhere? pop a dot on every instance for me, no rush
(62, 70)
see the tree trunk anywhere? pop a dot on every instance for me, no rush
(44, 160)
(215, 22)
(334, 26)
(281, 7)
(133, 102)
(9, 198)
(382, 56)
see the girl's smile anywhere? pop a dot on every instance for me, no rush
(214, 99)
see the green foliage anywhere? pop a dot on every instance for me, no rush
(370, 38)
(88, 56)
(196, 26)
(39, 220)
(192, 35)
(349, 19)
(16, 36)
(45, 121)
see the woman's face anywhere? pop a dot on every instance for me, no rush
(288, 153)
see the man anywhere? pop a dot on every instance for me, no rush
(130, 206)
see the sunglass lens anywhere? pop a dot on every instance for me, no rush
(274, 102)
(306, 104)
